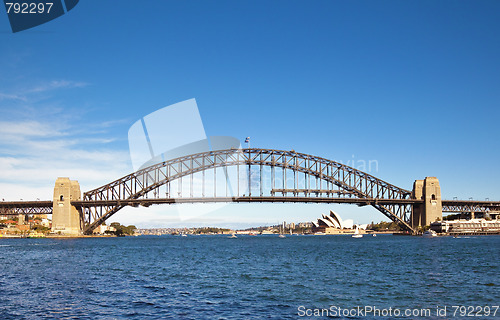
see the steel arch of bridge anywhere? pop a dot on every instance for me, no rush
(344, 184)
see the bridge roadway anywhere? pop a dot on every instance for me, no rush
(25, 207)
(45, 206)
(149, 202)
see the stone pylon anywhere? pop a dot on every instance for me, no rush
(66, 219)
(432, 209)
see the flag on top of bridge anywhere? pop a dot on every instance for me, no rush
(247, 140)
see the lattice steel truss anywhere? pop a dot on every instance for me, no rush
(463, 206)
(321, 179)
(25, 207)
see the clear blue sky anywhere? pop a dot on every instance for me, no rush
(414, 85)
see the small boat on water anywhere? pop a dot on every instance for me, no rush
(282, 231)
(183, 235)
(374, 234)
(357, 234)
(429, 234)
(233, 236)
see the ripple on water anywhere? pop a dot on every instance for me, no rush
(195, 278)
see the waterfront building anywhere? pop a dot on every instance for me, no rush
(332, 224)
(23, 227)
(305, 224)
(46, 222)
(267, 232)
(103, 228)
(471, 226)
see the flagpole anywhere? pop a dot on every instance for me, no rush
(247, 140)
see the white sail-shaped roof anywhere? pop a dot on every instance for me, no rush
(334, 221)
(336, 217)
(326, 221)
(348, 224)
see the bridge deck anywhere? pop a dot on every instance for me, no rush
(25, 207)
(148, 202)
(45, 207)
(26, 204)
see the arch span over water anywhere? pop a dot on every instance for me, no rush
(321, 180)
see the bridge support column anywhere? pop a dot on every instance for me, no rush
(21, 218)
(431, 210)
(66, 219)
(417, 209)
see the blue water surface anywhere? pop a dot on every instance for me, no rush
(251, 277)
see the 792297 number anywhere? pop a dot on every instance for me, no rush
(25, 7)
(478, 311)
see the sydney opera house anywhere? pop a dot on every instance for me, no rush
(333, 224)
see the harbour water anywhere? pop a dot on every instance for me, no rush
(251, 277)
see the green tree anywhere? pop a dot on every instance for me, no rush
(115, 225)
(123, 230)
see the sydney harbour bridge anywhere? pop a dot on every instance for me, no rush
(245, 175)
